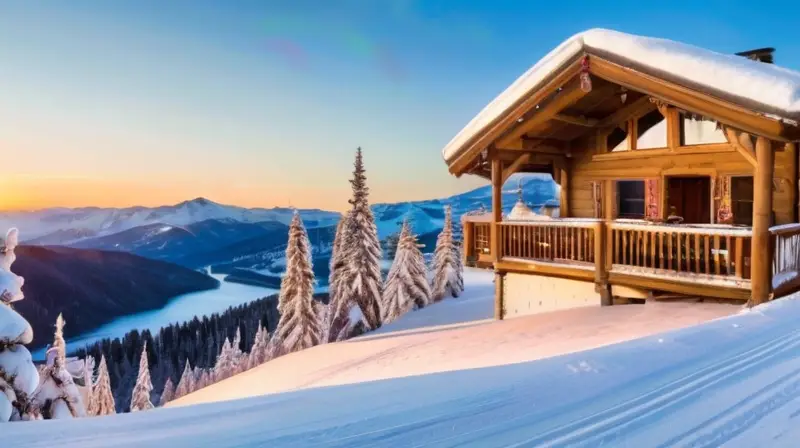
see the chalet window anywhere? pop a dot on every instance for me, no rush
(630, 199)
(652, 131)
(697, 130)
(742, 200)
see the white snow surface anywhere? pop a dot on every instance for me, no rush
(732, 381)
(13, 327)
(775, 87)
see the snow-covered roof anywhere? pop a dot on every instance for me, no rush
(775, 88)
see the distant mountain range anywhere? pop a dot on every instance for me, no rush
(65, 226)
(201, 233)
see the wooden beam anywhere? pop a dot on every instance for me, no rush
(514, 166)
(633, 110)
(633, 134)
(497, 207)
(563, 182)
(742, 143)
(792, 167)
(568, 95)
(460, 162)
(761, 259)
(499, 291)
(579, 121)
(673, 117)
(691, 100)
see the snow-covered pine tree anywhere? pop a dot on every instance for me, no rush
(140, 399)
(58, 396)
(339, 301)
(102, 397)
(362, 276)
(237, 357)
(224, 366)
(299, 326)
(256, 355)
(186, 384)
(407, 283)
(168, 393)
(204, 381)
(447, 277)
(18, 376)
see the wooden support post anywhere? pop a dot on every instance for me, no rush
(791, 162)
(761, 261)
(468, 243)
(497, 208)
(561, 175)
(499, 302)
(609, 213)
(601, 285)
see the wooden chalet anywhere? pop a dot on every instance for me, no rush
(677, 167)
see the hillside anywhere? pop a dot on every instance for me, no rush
(728, 382)
(93, 287)
(180, 244)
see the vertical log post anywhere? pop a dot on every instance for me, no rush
(494, 234)
(561, 177)
(791, 163)
(468, 243)
(499, 280)
(761, 261)
(600, 273)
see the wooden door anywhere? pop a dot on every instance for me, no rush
(691, 197)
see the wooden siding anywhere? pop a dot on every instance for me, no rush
(719, 160)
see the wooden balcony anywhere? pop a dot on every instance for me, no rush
(695, 260)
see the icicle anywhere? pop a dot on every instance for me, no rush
(586, 80)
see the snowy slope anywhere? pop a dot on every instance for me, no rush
(105, 221)
(732, 382)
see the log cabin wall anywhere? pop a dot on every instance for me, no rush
(722, 160)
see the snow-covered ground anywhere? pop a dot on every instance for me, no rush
(732, 381)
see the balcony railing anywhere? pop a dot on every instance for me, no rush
(785, 259)
(702, 252)
(559, 240)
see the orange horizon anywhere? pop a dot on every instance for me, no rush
(30, 193)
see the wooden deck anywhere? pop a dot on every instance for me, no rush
(697, 260)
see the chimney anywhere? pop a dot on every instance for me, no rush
(761, 55)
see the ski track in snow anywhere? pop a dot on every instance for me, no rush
(732, 382)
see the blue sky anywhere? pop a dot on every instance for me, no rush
(262, 103)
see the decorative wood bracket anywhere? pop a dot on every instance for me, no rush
(742, 142)
(514, 166)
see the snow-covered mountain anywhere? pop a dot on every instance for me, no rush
(428, 216)
(201, 232)
(65, 226)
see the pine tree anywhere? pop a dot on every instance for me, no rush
(19, 377)
(140, 400)
(339, 302)
(186, 384)
(102, 397)
(224, 366)
(447, 274)
(57, 395)
(256, 355)
(362, 251)
(407, 283)
(299, 327)
(390, 245)
(168, 392)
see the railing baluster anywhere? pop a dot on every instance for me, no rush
(716, 255)
(728, 255)
(697, 254)
(707, 252)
